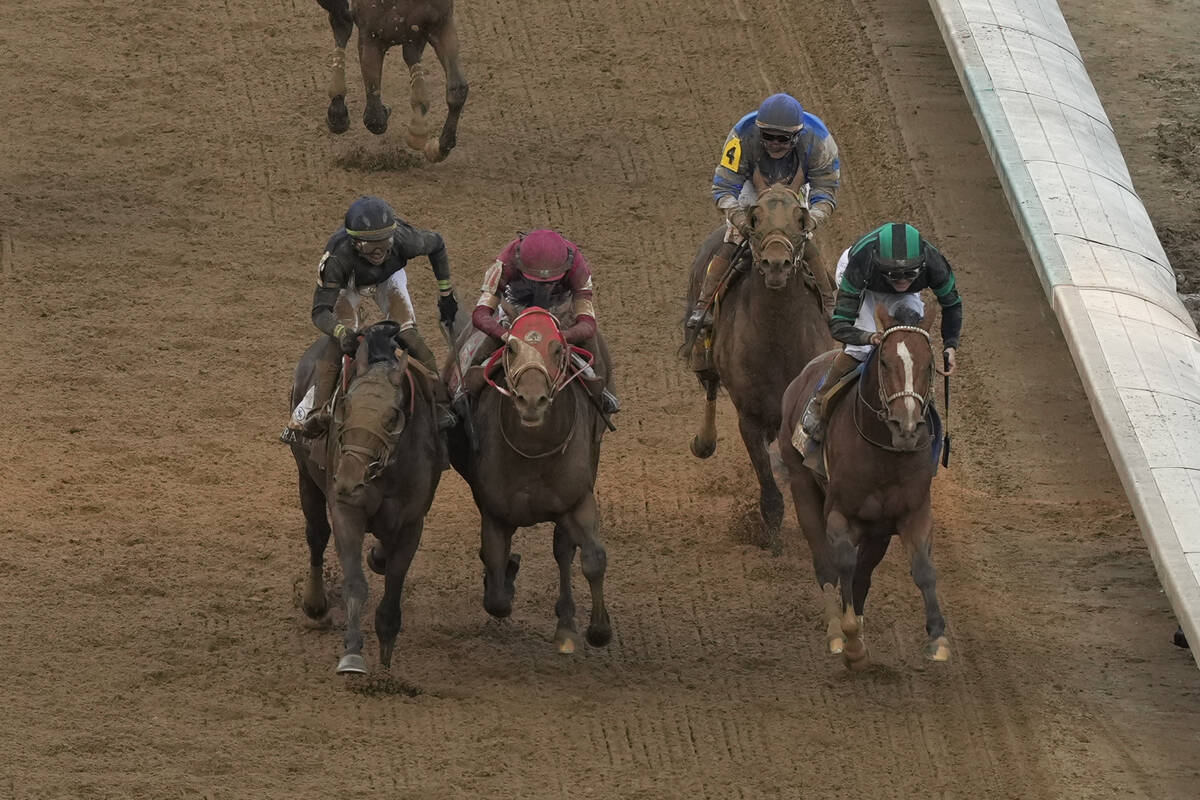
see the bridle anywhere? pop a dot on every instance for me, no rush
(375, 460)
(886, 399)
(779, 235)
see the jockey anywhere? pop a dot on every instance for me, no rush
(778, 140)
(543, 269)
(366, 258)
(888, 266)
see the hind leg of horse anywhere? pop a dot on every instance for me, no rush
(316, 533)
(704, 443)
(770, 499)
(500, 566)
(917, 535)
(844, 556)
(445, 44)
(418, 96)
(388, 616)
(370, 58)
(566, 635)
(581, 525)
(348, 532)
(337, 117)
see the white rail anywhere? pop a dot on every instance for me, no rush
(1100, 262)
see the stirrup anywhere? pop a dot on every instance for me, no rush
(812, 421)
(700, 318)
(446, 418)
(609, 402)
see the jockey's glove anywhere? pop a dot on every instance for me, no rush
(347, 338)
(738, 219)
(447, 308)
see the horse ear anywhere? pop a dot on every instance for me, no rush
(883, 319)
(396, 374)
(926, 322)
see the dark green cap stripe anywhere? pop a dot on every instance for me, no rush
(912, 241)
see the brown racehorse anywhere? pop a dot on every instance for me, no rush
(534, 459)
(412, 24)
(768, 326)
(880, 456)
(376, 471)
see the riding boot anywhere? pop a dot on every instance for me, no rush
(816, 417)
(609, 402)
(311, 417)
(701, 316)
(415, 344)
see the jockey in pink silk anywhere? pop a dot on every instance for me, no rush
(541, 268)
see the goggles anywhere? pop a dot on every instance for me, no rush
(906, 274)
(373, 248)
(778, 137)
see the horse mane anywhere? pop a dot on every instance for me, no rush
(382, 341)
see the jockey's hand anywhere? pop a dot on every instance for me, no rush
(347, 339)
(738, 219)
(447, 308)
(876, 339)
(951, 363)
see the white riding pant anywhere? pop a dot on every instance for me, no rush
(866, 310)
(391, 296)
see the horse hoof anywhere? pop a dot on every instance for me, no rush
(376, 562)
(337, 118)
(566, 641)
(415, 141)
(434, 152)
(836, 645)
(938, 649)
(314, 611)
(599, 636)
(854, 654)
(352, 664)
(702, 450)
(377, 123)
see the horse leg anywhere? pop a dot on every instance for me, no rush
(337, 118)
(566, 636)
(316, 533)
(370, 58)
(917, 535)
(388, 616)
(445, 44)
(844, 554)
(810, 501)
(581, 524)
(770, 499)
(500, 566)
(704, 443)
(348, 531)
(418, 95)
(871, 551)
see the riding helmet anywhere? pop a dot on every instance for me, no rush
(370, 219)
(543, 255)
(781, 112)
(900, 246)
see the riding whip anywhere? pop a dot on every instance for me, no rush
(946, 421)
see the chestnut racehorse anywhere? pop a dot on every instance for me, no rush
(880, 454)
(411, 24)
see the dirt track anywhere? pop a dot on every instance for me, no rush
(165, 189)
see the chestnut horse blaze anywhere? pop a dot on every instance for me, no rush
(411, 24)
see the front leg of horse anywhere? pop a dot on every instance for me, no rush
(316, 532)
(349, 530)
(418, 96)
(917, 536)
(337, 118)
(370, 56)
(770, 499)
(566, 635)
(500, 566)
(844, 556)
(704, 443)
(445, 44)
(582, 524)
(389, 614)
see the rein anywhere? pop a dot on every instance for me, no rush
(556, 450)
(885, 399)
(795, 252)
(388, 438)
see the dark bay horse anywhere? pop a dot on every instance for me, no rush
(412, 24)
(880, 454)
(375, 471)
(534, 459)
(768, 326)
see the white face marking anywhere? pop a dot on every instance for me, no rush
(910, 402)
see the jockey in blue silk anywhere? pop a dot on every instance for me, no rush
(888, 267)
(778, 140)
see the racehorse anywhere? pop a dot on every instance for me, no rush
(880, 454)
(532, 457)
(376, 470)
(767, 327)
(411, 24)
